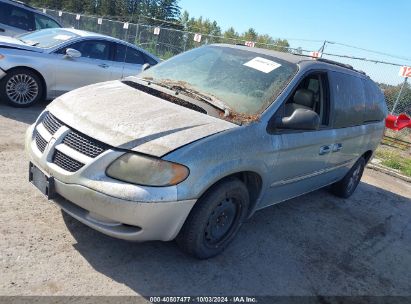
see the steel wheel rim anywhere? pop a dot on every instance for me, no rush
(221, 222)
(22, 89)
(354, 178)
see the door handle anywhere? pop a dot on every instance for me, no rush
(103, 65)
(337, 147)
(2, 30)
(325, 150)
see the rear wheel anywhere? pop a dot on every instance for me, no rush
(346, 187)
(215, 219)
(21, 88)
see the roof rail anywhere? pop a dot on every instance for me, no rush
(347, 66)
(343, 65)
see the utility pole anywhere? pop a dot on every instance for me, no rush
(321, 50)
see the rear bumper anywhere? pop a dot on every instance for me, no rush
(128, 220)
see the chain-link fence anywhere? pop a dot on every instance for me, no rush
(166, 40)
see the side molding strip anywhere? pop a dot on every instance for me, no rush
(299, 178)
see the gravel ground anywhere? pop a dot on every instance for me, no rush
(313, 245)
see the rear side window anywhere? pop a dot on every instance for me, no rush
(16, 17)
(43, 22)
(128, 55)
(375, 107)
(348, 100)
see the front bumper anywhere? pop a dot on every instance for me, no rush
(115, 208)
(123, 219)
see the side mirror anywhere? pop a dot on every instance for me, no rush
(301, 119)
(145, 66)
(72, 53)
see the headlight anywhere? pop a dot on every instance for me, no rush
(147, 171)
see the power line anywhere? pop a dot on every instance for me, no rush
(372, 51)
(259, 43)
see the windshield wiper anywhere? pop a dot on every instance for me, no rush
(28, 42)
(180, 87)
(206, 98)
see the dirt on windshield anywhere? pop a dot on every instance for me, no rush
(236, 117)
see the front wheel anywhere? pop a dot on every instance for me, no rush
(346, 187)
(21, 88)
(215, 219)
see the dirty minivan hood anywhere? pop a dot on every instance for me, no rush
(124, 117)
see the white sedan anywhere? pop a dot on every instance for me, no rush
(47, 63)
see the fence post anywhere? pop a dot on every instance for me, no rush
(399, 95)
(137, 30)
(185, 37)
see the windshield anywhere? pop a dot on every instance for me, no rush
(245, 81)
(47, 38)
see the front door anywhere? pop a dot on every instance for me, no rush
(92, 67)
(303, 162)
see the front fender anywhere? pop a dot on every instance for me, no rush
(35, 62)
(218, 156)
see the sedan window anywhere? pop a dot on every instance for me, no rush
(3, 13)
(17, 17)
(43, 22)
(94, 49)
(128, 55)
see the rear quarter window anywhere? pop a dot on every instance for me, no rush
(375, 106)
(348, 100)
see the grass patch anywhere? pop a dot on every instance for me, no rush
(394, 160)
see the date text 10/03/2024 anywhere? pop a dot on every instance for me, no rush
(236, 299)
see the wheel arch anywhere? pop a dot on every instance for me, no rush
(252, 180)
(367, 156)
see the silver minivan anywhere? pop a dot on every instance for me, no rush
(193, 146)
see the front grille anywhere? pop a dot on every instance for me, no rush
(75, 140)
(66, 162)
(40, 142)
(51, 123)
(84, 144)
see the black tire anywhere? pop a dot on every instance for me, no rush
(21, 88)
(225, 203)
(346, 187)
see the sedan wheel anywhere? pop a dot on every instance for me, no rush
(21, 88)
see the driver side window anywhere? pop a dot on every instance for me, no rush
(93, 49)
(312, 93)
